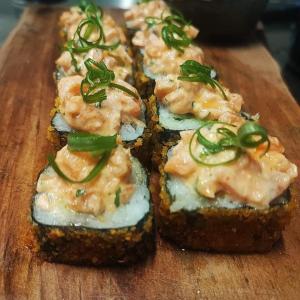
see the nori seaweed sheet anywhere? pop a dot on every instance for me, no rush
(89, 246)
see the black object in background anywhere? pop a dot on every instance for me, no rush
(222, 18)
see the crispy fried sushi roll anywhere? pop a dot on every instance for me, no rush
(186, 101)
(72, 18)
(225, 188)
(161, 43)
(91, 33)
(93, 207)
(99, 104)
(135, 16)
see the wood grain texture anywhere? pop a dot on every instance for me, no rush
(26, 96)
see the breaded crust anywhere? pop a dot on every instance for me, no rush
(241, 230)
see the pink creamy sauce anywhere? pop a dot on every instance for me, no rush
(98, 195)
(158, 58)
(70, 20)
(253, 179)
(198, 99)
(118, 60)
(118, 108)
(135, 17)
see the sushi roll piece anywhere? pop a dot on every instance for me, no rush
(99, 104)
(161, 44)
(120, 60)
(87, 9)
(92, 205)
(91, 33)
(186, 101)
(225, 188)
(136, 15)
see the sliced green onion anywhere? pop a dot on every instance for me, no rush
(124, 89)
(98, 78)
(90, 23)
(95, 171)
(172, 32)
(249, 135)
(96, 145)
(80, 42)
(198, 160)
(177, 17)
(193, 71)
(90, 8)
(70, 49)
(175, 37)
(94, 97)
(88, 142)
(143, 1)
(80, 192)
(117, 197)
(151, 21)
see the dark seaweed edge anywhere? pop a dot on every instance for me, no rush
(69, 227)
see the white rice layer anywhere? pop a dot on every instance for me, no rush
(172, 121)
(128, 132)
(186, 198)
(125, 215)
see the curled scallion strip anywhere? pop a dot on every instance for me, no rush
(193, 71)
(175, 37)
(91, 9)
(92, 23)
(98, 78)
(249, 135)
(172, 32)
(143, 1)
(86, 142)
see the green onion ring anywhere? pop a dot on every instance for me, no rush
(94, 172)
(238, 142)
(201, 162)
(193, 71)
(88, 142)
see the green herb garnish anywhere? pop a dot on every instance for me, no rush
(98, 79)
(144, 1)
(183, 117)
(172, 31)
(92, 23)
(90, 8)
(249, 135)
(97, 145)
(80, 192)
(193, 71)
(117, 197)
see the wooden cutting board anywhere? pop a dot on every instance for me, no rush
(27, 91)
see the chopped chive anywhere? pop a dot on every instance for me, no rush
(249, 135)
(193, 71)
(96, 145)
(117, 197)
(80, 192)
(172, 32)
(98, 79)
(92, 23)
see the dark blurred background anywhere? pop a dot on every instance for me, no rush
(275, 22)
